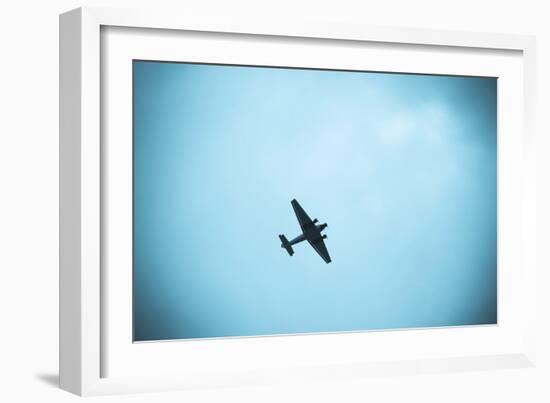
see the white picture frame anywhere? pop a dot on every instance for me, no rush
(96, 354)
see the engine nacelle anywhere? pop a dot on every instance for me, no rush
(315, 221)
(324, 237)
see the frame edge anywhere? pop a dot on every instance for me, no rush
(70, 119)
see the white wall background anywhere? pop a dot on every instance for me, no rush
(29, 209)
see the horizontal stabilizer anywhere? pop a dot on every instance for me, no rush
(285, 244)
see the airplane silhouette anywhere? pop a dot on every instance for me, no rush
(311, 232)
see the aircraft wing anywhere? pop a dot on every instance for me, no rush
(321, 249)
(303, 218)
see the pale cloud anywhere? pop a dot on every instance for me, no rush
(426, 123)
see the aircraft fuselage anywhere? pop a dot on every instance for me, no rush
(311, 234)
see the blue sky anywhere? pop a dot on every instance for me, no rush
(402, 167)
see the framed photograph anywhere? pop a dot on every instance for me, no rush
(247, 202)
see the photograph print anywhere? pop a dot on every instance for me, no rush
(279, 201)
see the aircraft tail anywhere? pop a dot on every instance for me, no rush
(285, 244)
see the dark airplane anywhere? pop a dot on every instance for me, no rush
(311, 232)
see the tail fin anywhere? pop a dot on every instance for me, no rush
(285, 244)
